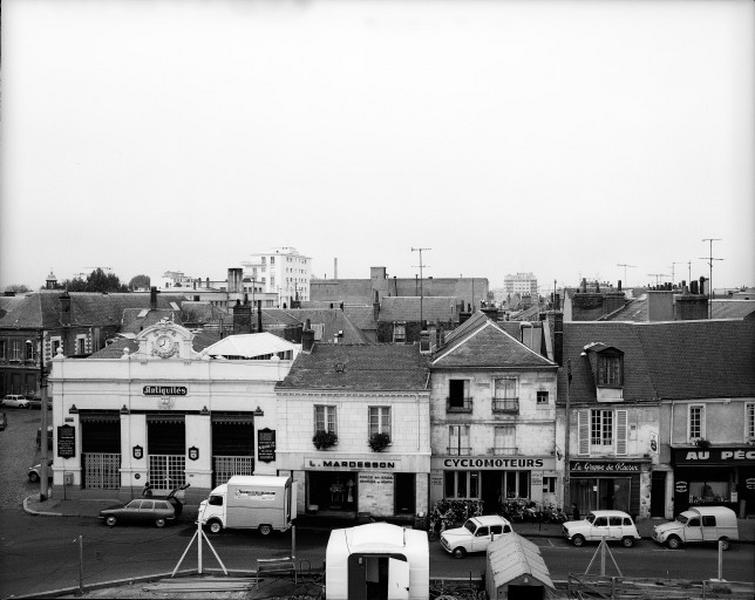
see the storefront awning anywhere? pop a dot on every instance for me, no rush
(166, 417)
(99, 416)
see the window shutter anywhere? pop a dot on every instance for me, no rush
(583, 432)
(621, 432)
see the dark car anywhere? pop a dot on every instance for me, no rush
(141, 510)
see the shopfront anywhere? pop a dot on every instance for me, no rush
(384, 486)
(610, 485)
(494, 479)
(715, 476)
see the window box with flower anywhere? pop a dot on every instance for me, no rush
(379, 441)
(324, 439)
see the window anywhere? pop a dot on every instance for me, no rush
(399, 331)
(80, 345)
(29, 350)
(709, 521)
(610, 369)
(542, 397)
(461, 484)
(505, 398)
(482, 532)
(505, 439)
(696, 422)
(379, 419)
(15, 351)
(601, 428)
(458, 440)
(600, 522)
(458, 396)
(54, 345)
(549, 485)
(749, 421)
(615, 521)
(3, 349)
(325, 418)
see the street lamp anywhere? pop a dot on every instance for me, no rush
(43, 437)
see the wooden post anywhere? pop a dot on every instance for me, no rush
(81, 556)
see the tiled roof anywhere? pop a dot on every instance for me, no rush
(362, 316)
(333, 320)
(407, 308)
(379, 367)
(732, 309)
(484, 344)
(136, 319)
(634, 310)
(201, 340)
(670, 360)
(43, 309)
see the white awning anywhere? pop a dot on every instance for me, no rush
(249, 345)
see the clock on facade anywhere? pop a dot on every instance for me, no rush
(165, 346)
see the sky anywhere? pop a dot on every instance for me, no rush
(563, 138)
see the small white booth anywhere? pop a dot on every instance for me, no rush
(516, 571)
(377, 560)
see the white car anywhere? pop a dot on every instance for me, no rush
(611, 525)
(474, 535)
(16, 401)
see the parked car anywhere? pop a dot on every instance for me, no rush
(474, 535)
(611, 525)
(37, 403)
(699, 524)
(35, 472)
(140, 510)
(16, 401)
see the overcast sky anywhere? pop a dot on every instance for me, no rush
(562, 138)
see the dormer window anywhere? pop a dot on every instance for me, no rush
(610, 369)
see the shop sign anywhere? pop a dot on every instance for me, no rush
(494, 463)
(66, 441)
(165, 390)
(345, 464)
(750, 483)
(137, 452)
(727, 456)
(588, 466)
(193, 453)
(266, 445)
(375, 478)
(680, 487)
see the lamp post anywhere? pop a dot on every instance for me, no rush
(567, 427)
(43, 437)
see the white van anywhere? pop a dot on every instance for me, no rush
(263, 502)
(699, 524)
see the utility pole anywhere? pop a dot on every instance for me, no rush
(710, 258)
(567, 428)
(421, 292)
(43, 470)
(626, 283)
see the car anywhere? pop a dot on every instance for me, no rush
(140, 510)
(474, 535)
(37, 403)
(16, 401)
(699, 524)
(35, 472)
(611, 525)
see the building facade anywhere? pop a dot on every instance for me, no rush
(165, 414)
(493, 419)
(354, 430)
(282, 271)
(524, 284)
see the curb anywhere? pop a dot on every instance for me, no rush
(39, 512)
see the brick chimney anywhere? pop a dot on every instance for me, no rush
(153, 298)
(307, 338)
(242, 317)
(65, 308)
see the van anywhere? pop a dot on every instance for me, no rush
(263, 502)
(699, 524)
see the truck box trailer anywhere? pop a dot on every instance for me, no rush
(263, 502)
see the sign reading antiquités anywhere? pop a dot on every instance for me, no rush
(165, 390)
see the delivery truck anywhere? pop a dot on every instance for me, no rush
(263, 502)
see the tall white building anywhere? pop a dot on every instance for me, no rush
(524, 284)
(283, 271)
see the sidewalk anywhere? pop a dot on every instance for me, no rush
(57, 507)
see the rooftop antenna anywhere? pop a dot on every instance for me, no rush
(673, 264)
(626, 283)
(421, 294)
(710, 258)
(657, 277)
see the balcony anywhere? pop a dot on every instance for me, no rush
(459, 451)
(459, 405)
(506, 405)
(504, 450)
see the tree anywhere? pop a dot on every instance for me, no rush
(139, 282)
(97, 281)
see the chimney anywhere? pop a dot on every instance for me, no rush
(153, 298)
(555, 320)
(376, 306)
(307, 338)
(259, 316)
(242, 318)
(335, 268)
(424, 342)
(65, 308)
(234, 280)
(619, 284)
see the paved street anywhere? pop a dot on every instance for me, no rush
(40, 553)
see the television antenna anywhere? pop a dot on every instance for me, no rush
(421, 265)
(657, 277)
(626, 266)
(710, 258)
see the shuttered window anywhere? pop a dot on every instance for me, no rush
(583, 432)
(325, 418)
(621, 432)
